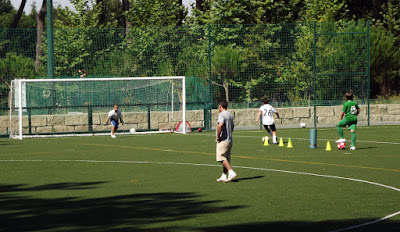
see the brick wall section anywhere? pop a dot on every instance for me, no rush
(244, 118)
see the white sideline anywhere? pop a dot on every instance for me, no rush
(244, 167)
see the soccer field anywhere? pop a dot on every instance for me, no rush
(166, 182)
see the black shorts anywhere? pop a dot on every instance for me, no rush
(272, 127)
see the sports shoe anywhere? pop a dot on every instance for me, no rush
(230, 177)
(113, 136)
(341, 140)
(352, 148)
(223, 178)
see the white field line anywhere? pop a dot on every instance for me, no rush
(244, 167)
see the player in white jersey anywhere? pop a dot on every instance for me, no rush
(267, 111)
(114, 115)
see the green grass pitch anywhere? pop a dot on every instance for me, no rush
(167, 183)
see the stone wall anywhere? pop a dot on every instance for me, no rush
(244, 118)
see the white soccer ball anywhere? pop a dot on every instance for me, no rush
(265, 138)
(132, 130)
(302, 125)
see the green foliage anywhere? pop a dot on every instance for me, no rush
(323, 10)
(385, 60)
(156, 13)
(11, 67)
(246, 12)
(391, 16)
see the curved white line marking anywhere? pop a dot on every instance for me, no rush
(243, 167)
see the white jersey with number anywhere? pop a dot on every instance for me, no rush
(115, 115)
(267, 112)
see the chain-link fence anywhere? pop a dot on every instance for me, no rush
(292, 64)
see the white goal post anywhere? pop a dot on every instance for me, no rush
(79, 106)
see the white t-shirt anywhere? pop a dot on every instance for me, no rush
(115, 115)
(267, 114)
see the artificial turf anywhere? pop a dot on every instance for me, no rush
(166, 182)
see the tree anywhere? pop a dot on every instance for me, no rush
(385, 62)
(18, 15)
(11, 67)
(40, 17)
(244, 12)
(157, 13)
(226, 62)
(125, 12)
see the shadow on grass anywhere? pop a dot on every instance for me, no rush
(141, 212)
(58, 186)
(296, 226)
(247, 178)
(117, 213)
(362, 148)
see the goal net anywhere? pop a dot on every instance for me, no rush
(79, 107)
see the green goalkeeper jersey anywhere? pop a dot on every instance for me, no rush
(350, 109)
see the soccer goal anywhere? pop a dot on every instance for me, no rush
(79, 107)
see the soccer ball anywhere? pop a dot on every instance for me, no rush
(265, 138)
(341, 146)
(302, 125)
(132, 130)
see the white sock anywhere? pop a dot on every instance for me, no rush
(231, 172)
(274, 138)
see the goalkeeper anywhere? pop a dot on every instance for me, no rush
(114, 115)
(350, 111)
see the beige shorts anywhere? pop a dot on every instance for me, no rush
(224, 151)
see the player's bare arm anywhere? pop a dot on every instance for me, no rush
(258, 116)
(219, 130)
(277, 115)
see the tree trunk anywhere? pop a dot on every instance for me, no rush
(180, 22)
(226, 85)
(39, 34)
(125, 10)
(199, 5)
(18, 15)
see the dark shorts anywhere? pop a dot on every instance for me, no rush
(272, 127)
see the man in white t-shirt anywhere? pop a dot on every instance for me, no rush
(114, 115)
(267, 111)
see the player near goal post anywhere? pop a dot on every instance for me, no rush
(113, 116)
(267, 118)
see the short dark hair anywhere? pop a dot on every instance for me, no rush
(349, 96)
(265, 100)
(224, 104)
